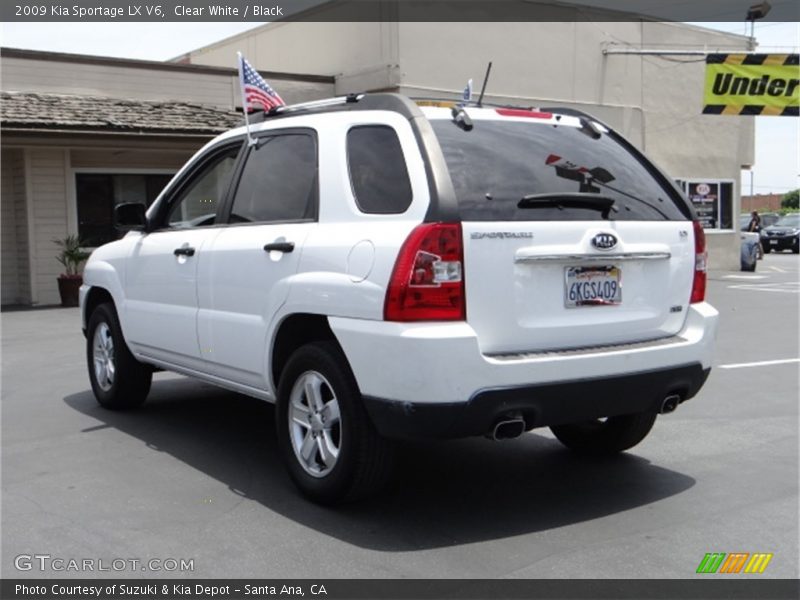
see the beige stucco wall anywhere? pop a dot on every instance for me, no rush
(340, 49)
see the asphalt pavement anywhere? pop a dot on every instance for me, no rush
(195, 475)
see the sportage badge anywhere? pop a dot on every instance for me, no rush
(604, 241)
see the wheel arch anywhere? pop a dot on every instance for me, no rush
(95, 297)
(296, 330)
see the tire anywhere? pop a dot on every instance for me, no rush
(358, 459)
(754, 261)
(613, 435)
(119, 381)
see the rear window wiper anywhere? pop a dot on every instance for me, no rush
(560, 200)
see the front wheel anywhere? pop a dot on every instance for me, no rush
(330, 447)
(605, 436)
(118, 379)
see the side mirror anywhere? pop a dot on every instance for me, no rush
(130, 216)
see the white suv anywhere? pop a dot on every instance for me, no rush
(382, 270)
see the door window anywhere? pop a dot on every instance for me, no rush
(197, 202)
(278, 182)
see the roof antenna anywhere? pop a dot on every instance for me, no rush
(485, 80)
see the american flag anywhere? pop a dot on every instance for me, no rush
(256, 90)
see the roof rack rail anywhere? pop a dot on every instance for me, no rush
(574, 112)
(312, 105)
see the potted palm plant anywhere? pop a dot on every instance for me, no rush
(72, 257)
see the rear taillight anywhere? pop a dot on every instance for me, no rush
(427, 283)
(700, 264)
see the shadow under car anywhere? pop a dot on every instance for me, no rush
(442, 493)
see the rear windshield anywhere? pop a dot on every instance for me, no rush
(497, 163)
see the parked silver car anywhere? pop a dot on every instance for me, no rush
(749, 251)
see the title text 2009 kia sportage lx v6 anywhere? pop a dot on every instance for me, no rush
(383, 270)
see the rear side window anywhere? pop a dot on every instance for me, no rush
(378, 171)
(279, 181)
(497, 163)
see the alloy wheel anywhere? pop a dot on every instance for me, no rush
(103, 357)
(314, 424)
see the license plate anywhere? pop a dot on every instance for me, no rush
(592, 286)
(773, 242)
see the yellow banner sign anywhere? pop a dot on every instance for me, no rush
(752, 84)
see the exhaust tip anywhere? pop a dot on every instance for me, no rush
(508, 429)
(669, 404)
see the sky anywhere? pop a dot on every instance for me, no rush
(777, 168)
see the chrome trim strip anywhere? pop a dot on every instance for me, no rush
(593, 258)
(655, 343)
(239, 388)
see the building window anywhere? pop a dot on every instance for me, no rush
(712, 201)
(98, 193)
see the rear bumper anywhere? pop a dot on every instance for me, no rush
(442, 362)
(539, 405)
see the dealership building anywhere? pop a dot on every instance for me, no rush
(82, 133)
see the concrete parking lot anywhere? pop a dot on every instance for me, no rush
(194, 474)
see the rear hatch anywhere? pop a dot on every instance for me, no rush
(570, 239)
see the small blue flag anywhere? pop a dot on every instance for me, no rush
(467, 93)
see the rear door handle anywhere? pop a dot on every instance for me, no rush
(279, 246)
(184, 251)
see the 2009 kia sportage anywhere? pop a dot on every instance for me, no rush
(382, 270)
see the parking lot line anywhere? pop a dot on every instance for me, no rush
(762, 363)
(786, 287)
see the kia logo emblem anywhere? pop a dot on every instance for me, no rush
(604, 241)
